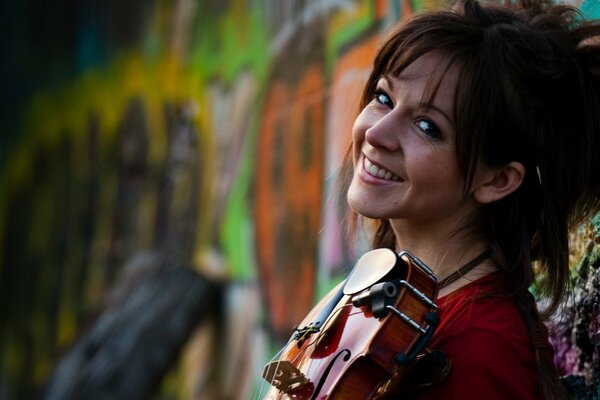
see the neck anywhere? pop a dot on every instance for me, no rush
(443, 249)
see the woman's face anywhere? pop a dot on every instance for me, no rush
(404, 156)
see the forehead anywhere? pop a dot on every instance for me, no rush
(433, 62)
(431, 76)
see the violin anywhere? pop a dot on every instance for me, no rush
(359, 340)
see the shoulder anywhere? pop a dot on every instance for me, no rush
(484, 320)
(486, 365)
(488, 344)
(482, 351)
(482, 307)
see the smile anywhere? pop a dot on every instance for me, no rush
(379, 172)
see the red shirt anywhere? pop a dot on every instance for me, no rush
(488, 344)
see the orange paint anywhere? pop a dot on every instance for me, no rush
(289, 175)
(350, 75)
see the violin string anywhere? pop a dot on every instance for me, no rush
(263, 380)
(322, 331)
(278, 356)
(258, 394)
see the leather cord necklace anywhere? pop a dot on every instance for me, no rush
(465, 269)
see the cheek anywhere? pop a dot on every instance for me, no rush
(359, 128)
(441, 169)
(358, 136)
(449, 182)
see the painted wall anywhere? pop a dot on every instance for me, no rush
(209, 132)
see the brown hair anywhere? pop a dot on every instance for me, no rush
(528, 91)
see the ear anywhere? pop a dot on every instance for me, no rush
(497, 183)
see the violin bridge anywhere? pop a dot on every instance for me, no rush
(284, 376)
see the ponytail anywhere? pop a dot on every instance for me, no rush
(549, 385)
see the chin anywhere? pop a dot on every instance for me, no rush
(364, 208)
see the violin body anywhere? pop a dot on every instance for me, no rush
(357, 342)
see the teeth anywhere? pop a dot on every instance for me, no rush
(374, 170)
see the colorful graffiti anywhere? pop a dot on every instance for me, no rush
(193, 148)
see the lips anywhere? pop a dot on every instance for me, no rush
(379, 172)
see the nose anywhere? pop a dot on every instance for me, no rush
(384, 133)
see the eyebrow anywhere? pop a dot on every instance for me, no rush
(422, 104)
(429, 106)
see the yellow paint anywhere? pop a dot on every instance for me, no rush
(349, 16)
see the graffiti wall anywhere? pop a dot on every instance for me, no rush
(168, 207)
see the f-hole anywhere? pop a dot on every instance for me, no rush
(346, 356)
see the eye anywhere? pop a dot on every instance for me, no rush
(429, 128)
(383, 98)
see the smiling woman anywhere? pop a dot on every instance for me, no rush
(473, 154)
(476, 137)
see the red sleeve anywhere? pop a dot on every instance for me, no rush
(485, 365)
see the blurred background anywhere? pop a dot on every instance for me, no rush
(168, 208)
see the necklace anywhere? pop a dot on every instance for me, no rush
(465, 269)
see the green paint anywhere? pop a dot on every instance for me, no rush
(348, 35)
(417, 5)
(223, 50)
(237, 235)
(596, 225)
(237, 232)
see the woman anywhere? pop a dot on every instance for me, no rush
(476, 145)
